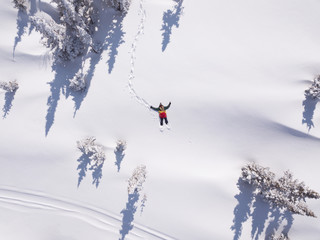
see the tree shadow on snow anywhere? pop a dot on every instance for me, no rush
(96, 173)
(128, 214)
(22, 23)
(278, 217)
(63, 73)
(243, 209)
(309, 107)
(265, 218)
(107, 37)
(119, 157)
(9, 97)
(259, 217)
(170, 18)
(85, 164)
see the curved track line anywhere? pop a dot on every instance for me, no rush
(94, 216)
(141, 100)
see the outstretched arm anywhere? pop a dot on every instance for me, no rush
(165, 108)
(155, 109)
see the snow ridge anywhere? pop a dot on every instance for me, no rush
(141, 100)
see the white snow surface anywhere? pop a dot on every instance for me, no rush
(235, 72)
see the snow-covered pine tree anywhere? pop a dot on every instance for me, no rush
(285, 192)
(20, 4)
(85, 9)
(71, 37)
(10, 86)
(314, 90)
(137, 179)
(52, 33)
(78, 83)
(121, 5)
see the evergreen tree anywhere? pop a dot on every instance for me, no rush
(71, 37)
(20, 4)
(314, 90)
(284, 192)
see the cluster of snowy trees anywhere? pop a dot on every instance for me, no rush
(93, 150)
(284, 192)
(72, 35)
(10, 86)
(314, 90)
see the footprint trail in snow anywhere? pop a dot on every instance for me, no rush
(140, 32)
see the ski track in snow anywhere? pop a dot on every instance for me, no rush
(94, 216)
(140, 32)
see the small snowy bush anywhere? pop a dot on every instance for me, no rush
(137, 179)
(281, 237)
(284, 192)
(20, 4)
(121, 146)
(314, 90)
(78, 83)
(94, 151)
(10, 86)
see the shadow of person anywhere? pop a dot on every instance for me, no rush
(243, 209)
(128, 214)
(9, 97)
(170, 18)
(309, 107)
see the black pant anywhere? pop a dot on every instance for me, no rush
(161, 121)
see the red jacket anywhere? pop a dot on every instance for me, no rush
(162, 112)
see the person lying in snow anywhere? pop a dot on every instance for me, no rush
(162, 112)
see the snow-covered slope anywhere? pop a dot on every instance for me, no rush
(235, 72)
